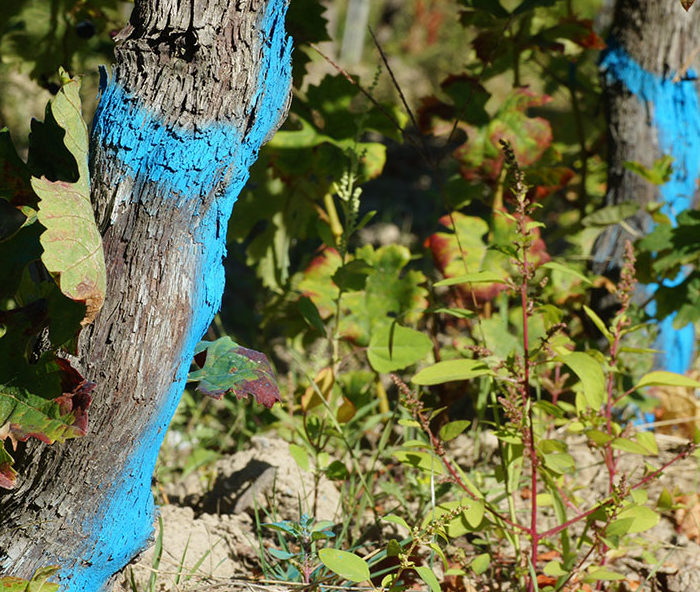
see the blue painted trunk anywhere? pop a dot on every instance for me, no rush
(675, 114)
(185, 166)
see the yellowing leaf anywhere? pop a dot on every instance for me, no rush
(663, 378)
(72, 242)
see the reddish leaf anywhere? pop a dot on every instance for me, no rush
(8, 475)
(317, 284)
(686, 4)
(230, 368)
(481, 156)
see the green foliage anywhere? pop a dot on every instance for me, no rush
(347, 565)
(42, 36)
(72, 245)
(54, 280)
(226, 367)
(38, 583)
(672, 253)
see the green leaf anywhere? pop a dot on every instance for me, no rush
(629, 446)
(426, 574)
(311, 315)
(279, 554)
(560, 462)
(300, 456)
(648, 441)
(554, 568)
(480, 563)
(468, 520)
(566, 269)
(38, 583)
(453, 429)
(352, 275)
(611, 214)
(8, 476)
(24, 414)
(479, 277)
(658, 174)
(337, 471)
(663, 378)
(451, 370)
(598, 437)
(602, 573)
(346, 565)
(590, 374)
(665, 501)
(393, 548)
(397, 520)
(72, 242)
(460, 313)
(598, 322)
(421, 460)
(394, 347)
(226, 367)
(633, 519)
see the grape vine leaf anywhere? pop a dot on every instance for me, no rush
(72, 242)
(226, 367)
(25, 414)
(38, 583)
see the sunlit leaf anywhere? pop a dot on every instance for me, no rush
(663, 378)
(229, 368)
(347, 565)
(72, 242)
(394, 347)
(590, 373)
(451, 370)
(426, 574)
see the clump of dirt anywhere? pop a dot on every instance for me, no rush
(209, 533)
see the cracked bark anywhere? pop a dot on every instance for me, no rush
(663, 39)
(192, 64)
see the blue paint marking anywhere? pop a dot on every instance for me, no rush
(676, 115)
(185, 164)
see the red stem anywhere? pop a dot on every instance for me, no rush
(525, 392)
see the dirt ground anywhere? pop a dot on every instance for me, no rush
(210, 539)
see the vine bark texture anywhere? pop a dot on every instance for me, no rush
(197, 87)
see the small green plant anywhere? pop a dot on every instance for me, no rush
(298, 559)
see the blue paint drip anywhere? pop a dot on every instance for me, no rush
(186, 164)
(676, 116)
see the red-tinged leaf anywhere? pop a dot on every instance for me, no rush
(230, 368)
(8, 476)
(76, 397)
(529, 136)
(25, 415)
(72, 242)
(316, 283)
(488, 45)
(431, 109)
(686, 4)
(463, 251)
(38, 583)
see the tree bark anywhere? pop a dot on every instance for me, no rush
(651, 103)
(197, 88)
